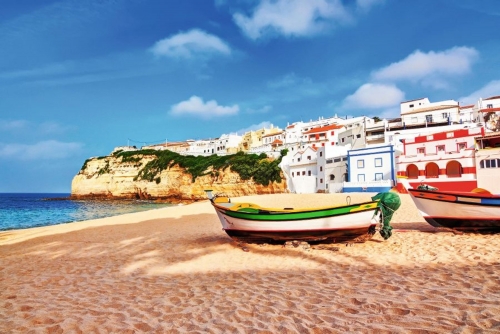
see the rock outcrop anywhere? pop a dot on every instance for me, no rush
(109, 178)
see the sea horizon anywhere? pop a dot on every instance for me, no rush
(26, 210)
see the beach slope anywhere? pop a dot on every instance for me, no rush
(173, 270)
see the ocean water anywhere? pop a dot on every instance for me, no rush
(19, 211)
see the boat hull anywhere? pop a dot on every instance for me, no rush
(458, 210)
(356, 225)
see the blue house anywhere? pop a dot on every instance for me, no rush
(371, 169)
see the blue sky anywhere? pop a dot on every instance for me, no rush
(78, 78)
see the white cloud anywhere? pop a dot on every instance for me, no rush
(292, 17)
(196, 106)
(374, 95)
(48, 127)
(254, 127)
(49, 149)
(189, 44)
(14, 125)
(491, 89)
(420, 66)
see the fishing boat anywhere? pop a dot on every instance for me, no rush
(351, 222)
(476, 210)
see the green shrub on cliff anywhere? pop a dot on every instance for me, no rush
(262, 170)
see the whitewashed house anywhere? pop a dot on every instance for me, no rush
(488, 161)
(332, 168)
(371, 169)
(302, 171)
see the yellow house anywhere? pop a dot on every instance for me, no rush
(253, 139)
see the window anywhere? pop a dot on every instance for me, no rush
(332, 177)
(298, 160)
(444, 115)
(320, 180)
(320, 168)
(428, 118)
(309, 173)
(421, 150)
(461, 146)
(292, 174)
(342, 140)
(490, 163)
(304, 172)
(411, 105)
(489, 106)
(308, 157)
(344, 159)
(361, 177)
(379, 176)
(440, 148)
(361, 164)
(358, 136)
(378, 162)
(320, 154)
(336, 160)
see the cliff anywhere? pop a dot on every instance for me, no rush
(114, 177)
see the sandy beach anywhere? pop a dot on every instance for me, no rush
(173, 270)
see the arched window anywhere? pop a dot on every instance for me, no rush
(454, 169)
(412, 171)
(431, 170)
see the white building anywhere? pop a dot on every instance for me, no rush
(488, 161)
(422, 113)
(332, 168)
(302, 171)
(445, 160)
(371, 169)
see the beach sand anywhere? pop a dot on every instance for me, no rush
(173, 270)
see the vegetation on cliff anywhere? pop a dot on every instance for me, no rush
(249, 166)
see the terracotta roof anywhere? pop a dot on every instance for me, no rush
(277, 142)
(489, 110)
(467, 106)
(492, 98)
(324, 128)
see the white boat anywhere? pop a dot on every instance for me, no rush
(252, 223)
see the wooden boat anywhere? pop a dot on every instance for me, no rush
(476, 210)
(351, 222)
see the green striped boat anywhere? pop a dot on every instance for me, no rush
(252, 223)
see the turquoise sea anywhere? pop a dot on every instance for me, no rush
(30, 210)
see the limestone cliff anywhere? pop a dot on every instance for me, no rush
(109, 177)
